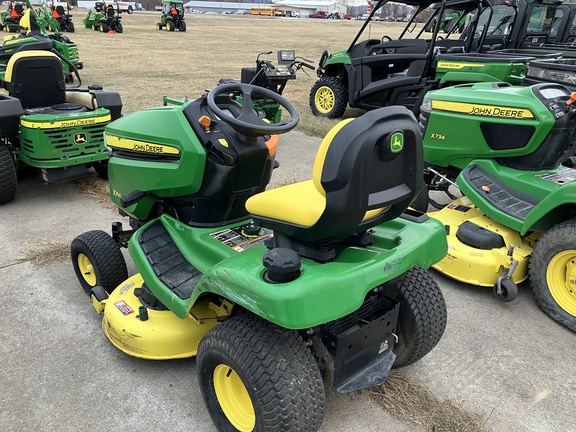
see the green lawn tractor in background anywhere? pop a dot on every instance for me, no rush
(104, 18)
(172, 17)
(273, 77)
(10, 18)
(63, 18)
(43, 124)
(516, 220)
(265, 288)
(37, 38)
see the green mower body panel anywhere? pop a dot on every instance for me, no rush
(57, 141)
(475, 107)
(322, 293)
(147, 134)
(481, 68)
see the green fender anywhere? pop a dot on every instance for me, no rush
(337, 58)
(472, 77)
(322, 293)
(551, 210)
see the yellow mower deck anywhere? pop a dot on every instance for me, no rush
(163, 335)
(477, 266)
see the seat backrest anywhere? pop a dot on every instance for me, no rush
(36, 78)
(60, 10)
(19, 9)
(110, 11)
(373, 162)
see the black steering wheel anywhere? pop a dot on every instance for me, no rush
(248, 122)
(386, 38)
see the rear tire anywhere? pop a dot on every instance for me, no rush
(422, 318)
(553, 271)
(329, 97)
(119, 28)
(169, 26)
(70, 27)
(257, 376)
(182, 26)
(421, 201)
(8, 178)
(104, 28)
(97, 260)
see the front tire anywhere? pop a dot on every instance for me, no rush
(97, 260)
(422, 317)
(119, 28)
(8, 177)
(70, 27)
(553, 273)
(329, 97)
(256, 376)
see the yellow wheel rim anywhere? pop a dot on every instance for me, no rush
(234, 398)
(324, 99)
(87, 270)
(561, 280)
(168, 26)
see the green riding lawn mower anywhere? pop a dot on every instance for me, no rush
(104, 18)
(172, 17)
(10, 18)
(273, 77)
(35, 37)
(61, 17)
(47, 126)
(268, 289)
(507, 148)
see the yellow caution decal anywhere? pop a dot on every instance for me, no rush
(140, 146)
(483, 110)
(65, 123)
(454, 65)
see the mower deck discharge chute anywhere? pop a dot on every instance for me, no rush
(516, 218)
(48, 126)
(258, 284)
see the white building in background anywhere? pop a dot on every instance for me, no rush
(302, 7)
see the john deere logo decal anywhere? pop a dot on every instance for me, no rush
(80, 138)
(397, 142)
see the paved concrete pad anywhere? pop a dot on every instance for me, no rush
(506, 361)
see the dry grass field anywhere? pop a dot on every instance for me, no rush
(144, 64)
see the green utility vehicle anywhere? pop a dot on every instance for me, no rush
(172, 17)
(497, 43)
(47, 126)
(265, 288)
